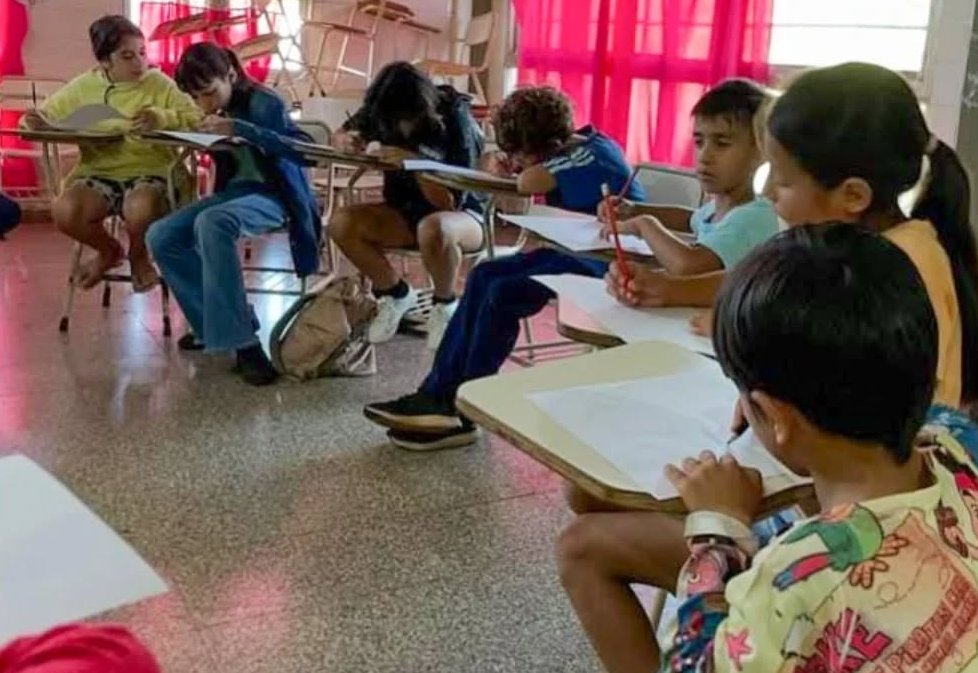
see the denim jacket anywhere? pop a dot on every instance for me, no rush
(262, 118)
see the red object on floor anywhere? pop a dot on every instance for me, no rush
(78, 649)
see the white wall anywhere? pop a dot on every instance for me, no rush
(947, 59)
(57, 44)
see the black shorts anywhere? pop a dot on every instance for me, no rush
(115, 191)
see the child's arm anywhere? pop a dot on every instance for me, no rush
(675, 218)
(650, 288)
(58, 105)
(175, 111)
(676, 255)
(271, 129)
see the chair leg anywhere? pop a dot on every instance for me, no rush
(70, 299)
(106, 294)
(165, 306)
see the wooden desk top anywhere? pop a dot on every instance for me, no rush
(498, 403)
(64, 137)
(491, 185)
(576, 325)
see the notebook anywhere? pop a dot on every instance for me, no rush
(577, 234)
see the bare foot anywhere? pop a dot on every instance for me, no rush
(90, 273)
(144, 276)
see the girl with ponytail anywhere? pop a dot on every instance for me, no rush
(260, 186)
(845, 143)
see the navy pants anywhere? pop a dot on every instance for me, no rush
(486, 324)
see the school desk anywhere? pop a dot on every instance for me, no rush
(498, 403)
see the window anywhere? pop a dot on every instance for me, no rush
(286, 16)
(891, 33)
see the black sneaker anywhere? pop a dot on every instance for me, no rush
(430, 441)
(254, 366)
(416, 412)
(189, 342)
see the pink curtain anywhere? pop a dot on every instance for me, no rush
(166, 52)
(635, 68)
(14, 23)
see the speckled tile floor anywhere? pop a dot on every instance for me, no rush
(294, 538)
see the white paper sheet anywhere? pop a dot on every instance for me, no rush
(199, 139)
(439, 167)
(58, 561)
(629, 324)
(576, 234)
(85, 117)
(643, 425)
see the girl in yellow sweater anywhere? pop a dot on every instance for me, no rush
(128, 178)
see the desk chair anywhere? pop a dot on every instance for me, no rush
(114, 224)
(479, 33)
(667, 185)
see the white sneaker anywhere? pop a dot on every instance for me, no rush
(390, 311)
(438, 322)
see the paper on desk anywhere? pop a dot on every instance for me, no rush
(58, 561)
(439, 167)
(629, 324)
(577, 234)
(199, 139)
(85, 117)
(643, 425)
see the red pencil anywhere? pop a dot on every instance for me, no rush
(613, 221)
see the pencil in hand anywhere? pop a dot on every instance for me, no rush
(613, 223)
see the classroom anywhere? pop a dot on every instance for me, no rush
(591, 336)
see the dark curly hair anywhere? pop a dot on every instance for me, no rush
(534, 120)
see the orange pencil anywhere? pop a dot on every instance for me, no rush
(613, 221)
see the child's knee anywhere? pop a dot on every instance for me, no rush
(431, 235)
(577, 547)
(343, 226)
(143, 207)
(67, 211)
(214, 225)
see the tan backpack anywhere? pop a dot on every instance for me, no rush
(325, 333)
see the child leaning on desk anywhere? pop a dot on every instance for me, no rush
(829, 334)
(409, 116)
(533, 127)
(260, 186)
(127, 178)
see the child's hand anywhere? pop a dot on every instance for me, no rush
(646, 288)
(391, 155)
(349, 142)
(34, 120)
(146, 120)
(632, 226)
(498, 163)
(709, 484)
(623, 208)
(221, 126)
(701, 324)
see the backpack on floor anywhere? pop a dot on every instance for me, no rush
(325, 333)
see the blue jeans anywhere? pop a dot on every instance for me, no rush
(486, 324)
(196, 250)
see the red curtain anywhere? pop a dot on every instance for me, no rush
(166, 52)
(14, 22)
(635, 68)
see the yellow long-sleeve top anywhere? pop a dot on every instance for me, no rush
(131, 157)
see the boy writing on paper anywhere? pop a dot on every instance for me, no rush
(534, 130)
(831, 338)
(127, 178)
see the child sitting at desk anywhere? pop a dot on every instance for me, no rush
(829, 334)
(260, 187)
(127, 178)
(533, 127)
(405, 112)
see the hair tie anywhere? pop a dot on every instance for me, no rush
(932, 144)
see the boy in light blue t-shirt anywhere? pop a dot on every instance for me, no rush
(735, 220)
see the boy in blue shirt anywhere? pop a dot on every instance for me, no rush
(533, 127)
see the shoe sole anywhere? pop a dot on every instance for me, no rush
(432, 423)
(451, 442)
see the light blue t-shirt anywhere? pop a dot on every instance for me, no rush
(737, 233)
